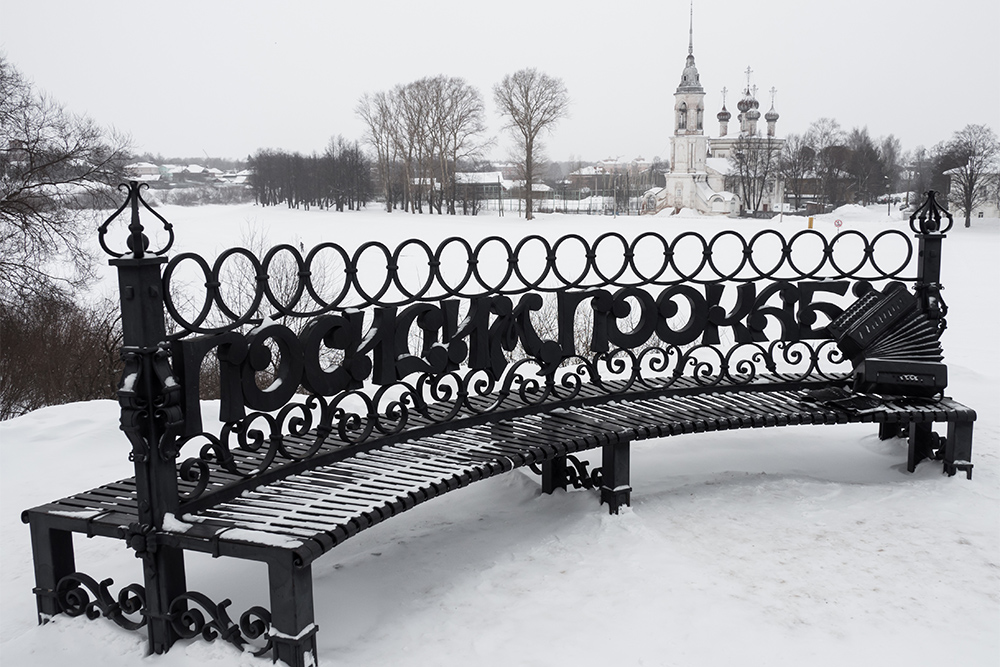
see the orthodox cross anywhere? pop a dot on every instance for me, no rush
(724, 90)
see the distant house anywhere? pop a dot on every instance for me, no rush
(195, 173)
(478, 185)
(591, 178)
(241, 177)
(990, 208)
(143, 172)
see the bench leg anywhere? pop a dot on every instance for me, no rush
(293, 632)
(958, 449)
(921, 443)
(615, 489)
(165, 581)
(890, 430)
(52, 551)
(554, 474)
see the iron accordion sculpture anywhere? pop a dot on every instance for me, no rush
(894, 346)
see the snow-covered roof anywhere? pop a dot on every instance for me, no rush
(470, 177)
(589, 171)
(535, 187)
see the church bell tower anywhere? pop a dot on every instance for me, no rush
(690, 145)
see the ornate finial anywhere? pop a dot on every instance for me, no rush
(754, 91)
(138, 242)
(773, 91)
(929, 217)
(748, 72)
(724, 91)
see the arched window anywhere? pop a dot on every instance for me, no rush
(682, 116)
(701, 118)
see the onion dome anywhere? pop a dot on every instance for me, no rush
(753, 114)
(724, 115)
(746, 103)
(771, 116)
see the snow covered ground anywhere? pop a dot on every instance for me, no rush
(794, 546)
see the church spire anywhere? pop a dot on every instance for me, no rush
(690, 82)
(691, 32)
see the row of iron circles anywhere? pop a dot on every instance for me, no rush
(305, 286)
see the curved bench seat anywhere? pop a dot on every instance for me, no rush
(308, 513)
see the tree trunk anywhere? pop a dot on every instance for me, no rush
(529, 168)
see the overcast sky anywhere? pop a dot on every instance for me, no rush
(224, 78)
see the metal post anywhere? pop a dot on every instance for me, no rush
(958, 448)
(52, 553)
(921, 444)
(151, 418)
(293, 632)
(554, 474)
(615, 488)
(926, 223)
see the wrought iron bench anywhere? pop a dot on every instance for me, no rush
(388, 394)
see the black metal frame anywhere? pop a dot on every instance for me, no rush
(482, 361)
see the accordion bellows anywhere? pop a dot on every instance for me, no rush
(894, 346)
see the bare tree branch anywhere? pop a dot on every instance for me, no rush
(57, 170)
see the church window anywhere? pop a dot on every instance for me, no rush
(682, 117)
(701, 117)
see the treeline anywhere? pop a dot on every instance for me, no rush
(339, 178)
(831, 166)
(420, 133)
(827, 166)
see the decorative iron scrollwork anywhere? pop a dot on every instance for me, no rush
(576, 474)
(663, 312)
(74, 595)
(259, 441)
(137, 408)
(211, 621)
(926, 220)
(609, 261)
(140, 537)
(191, 614)
(137, 243)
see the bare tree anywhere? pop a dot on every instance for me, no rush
(826, 140)
(795, 164)
(531, 102)
(427, 125)
(55, 351)
(463, 124)
(864, 164)
(754, 162)
(378, 111)
(56, 170)
(890, 151)
(976, 151)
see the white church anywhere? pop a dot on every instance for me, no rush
(698, 163)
